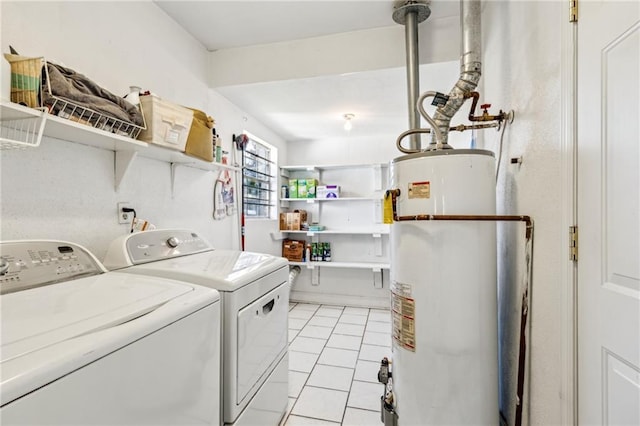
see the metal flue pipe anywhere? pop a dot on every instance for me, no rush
(410, 14)
(470, 68)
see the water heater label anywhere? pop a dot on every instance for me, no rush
(419, 190)
(403, 314)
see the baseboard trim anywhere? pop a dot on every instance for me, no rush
(339, 299)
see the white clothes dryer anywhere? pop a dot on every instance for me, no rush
(254, 290)
(83, 346)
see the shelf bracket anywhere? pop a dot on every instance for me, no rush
(277, 236)
(377, 211)
(174, 166)
(377, 244)
(377, 177)
(123, 161)
(377, 278)
(315, 276)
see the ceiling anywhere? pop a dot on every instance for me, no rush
(312, 108)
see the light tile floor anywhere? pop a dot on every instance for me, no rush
(334, 356)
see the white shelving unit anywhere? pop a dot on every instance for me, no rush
(353, 265)
(373, 232)
(353, 221)
(126, 149)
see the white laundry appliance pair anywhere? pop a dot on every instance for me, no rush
(80, 346)
(254, 293)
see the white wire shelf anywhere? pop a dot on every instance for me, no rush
(126, 149)
(20, 128)
(24, 127)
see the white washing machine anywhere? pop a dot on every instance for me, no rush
(82, 346)
(254, 291)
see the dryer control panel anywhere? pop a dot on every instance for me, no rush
(27, 264)
(149, 246)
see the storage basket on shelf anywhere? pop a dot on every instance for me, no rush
(63, 92)
(199, 141)
(18, 131)
(25, 80)
(168, 124)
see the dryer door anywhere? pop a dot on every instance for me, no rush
(262, 336)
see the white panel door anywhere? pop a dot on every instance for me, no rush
(609, 213)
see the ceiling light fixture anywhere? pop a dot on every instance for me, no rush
(347, 122)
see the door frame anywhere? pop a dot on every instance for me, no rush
(569, 197)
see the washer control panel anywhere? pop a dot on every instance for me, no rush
(149, 246)
(27, 264)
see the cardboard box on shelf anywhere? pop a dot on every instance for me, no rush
(328, 191)
(293, 221)
(284, 222)
(293, 250)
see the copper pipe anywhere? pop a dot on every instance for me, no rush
(481, 218)
(471, 217)
(485, 115)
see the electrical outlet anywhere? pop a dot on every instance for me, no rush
(124, 217)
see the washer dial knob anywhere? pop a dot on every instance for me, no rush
(4, 266)
(173, 242)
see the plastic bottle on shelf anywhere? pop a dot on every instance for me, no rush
(133, 97)
(217, 147)
(307, 253)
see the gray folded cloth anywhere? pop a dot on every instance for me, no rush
(74, 87)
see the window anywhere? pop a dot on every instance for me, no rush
(258, 179)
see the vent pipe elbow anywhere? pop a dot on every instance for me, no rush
(294, 271)
(470, 69)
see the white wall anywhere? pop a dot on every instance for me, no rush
(523, 47)
(63, 190)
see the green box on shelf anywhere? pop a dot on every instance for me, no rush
(312, 184)
(293, 188)
(302, 188)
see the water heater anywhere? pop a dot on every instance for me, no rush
(443, 289)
